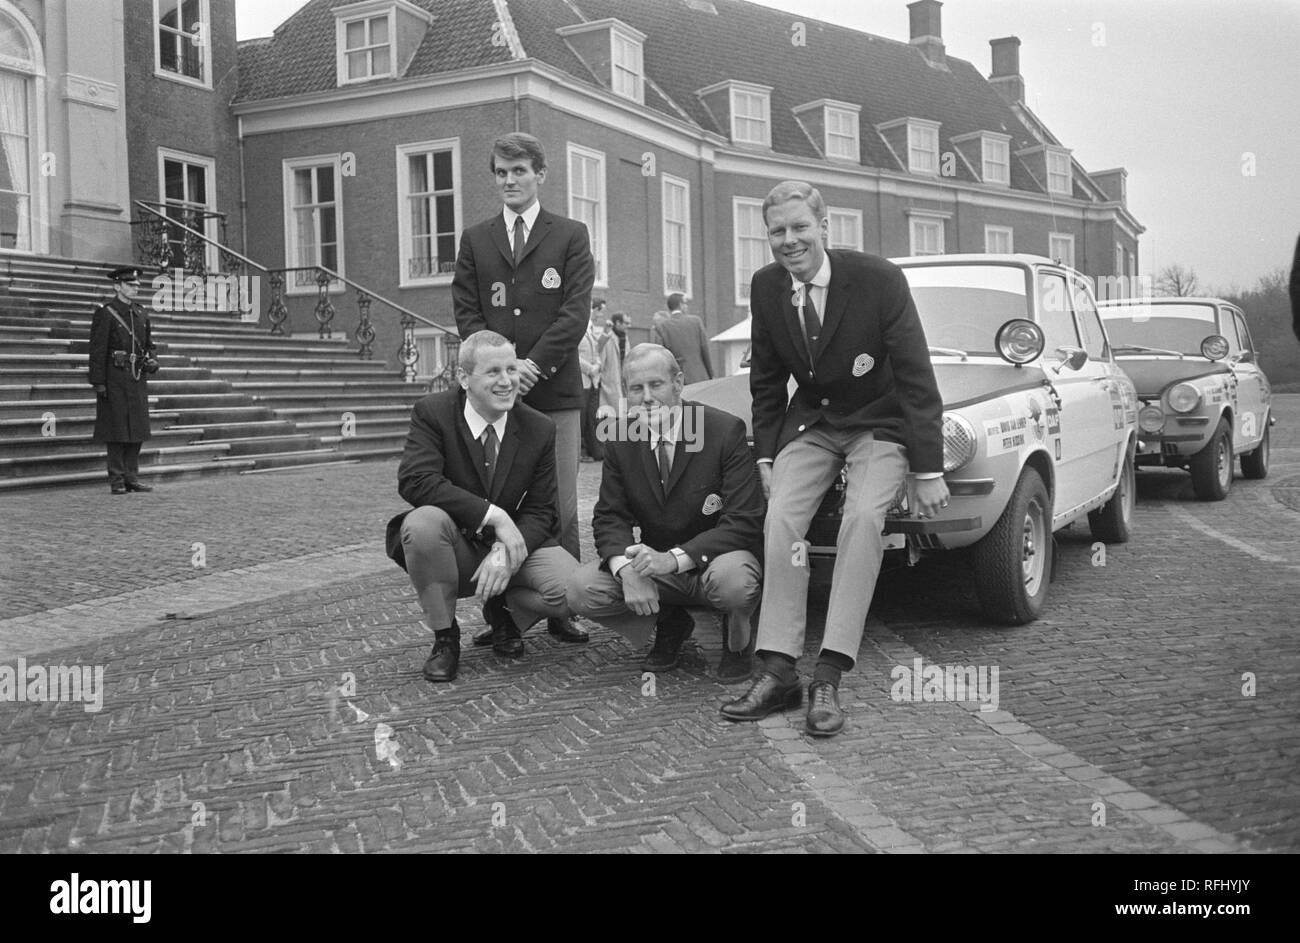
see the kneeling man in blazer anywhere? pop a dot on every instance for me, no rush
(684, 473)
(480, 469)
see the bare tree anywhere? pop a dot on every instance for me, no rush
(1178, 281)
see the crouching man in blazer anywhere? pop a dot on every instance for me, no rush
(480, 470)
(683, 472)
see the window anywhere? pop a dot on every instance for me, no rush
(996, 153)
(627, 67)
(1119, 259)
(845, 229)
(677, 235)
(1060, 247)
(1094, 338)
(1054, 314)
(998, 239)
(428, 192)
(587, 201)
(313, 219)
(1243, 334)
(183, 42)
(750, 122)
(927, 235)
(751, 244)
(841, 133)
(922, 147)
(185, 190)
(21, 115)
(365, 48)
(1132, 265)
(1059, 176)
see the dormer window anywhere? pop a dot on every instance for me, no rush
(1060, 178)
(841, 133)
(751, 117)
(915, 141)
(375, 39)
(995, 165)
(613, 51)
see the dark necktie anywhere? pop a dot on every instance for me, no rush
(519, 239)
(812, 324)
(665, 456)
(490, 451)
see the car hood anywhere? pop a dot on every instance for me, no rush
(1151, 375)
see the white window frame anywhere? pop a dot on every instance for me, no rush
(289, 165)
(851, 139)
(764, 99)
(366, 14)
(1132, 264)
(205, 47)
(684, 224)
(599, 239)
(633, 71)
(989, 163)
(994, 232)
(209, 166)
(926, 128)
(917, 222)
(743, 277)
(405, 231)
(846, 219)
(1119, 259)
(1064, 239)
(1054, 176)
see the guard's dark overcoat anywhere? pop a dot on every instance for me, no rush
(121, 415)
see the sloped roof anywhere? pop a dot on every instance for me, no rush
(686, 49)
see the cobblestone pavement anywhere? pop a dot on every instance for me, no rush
(281, 707)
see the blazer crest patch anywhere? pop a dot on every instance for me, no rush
(712, 504)
(862, 363)
(550, 278)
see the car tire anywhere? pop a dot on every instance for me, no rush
(1112, 523)
(1013, 561)
(1211, 467)
(1255, 464)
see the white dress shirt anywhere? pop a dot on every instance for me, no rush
(476, 425)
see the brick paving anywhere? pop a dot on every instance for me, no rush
(287, 711)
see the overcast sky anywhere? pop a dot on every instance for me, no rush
(1188, 95)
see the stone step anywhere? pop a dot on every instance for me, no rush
(362, 424)
(339, 401)
(78, 422)
(215, 431)
(152, 474)
(92, 459)
(198, 400)
(268, 444)
(36, 346)
(286, 459)
(362, 370)
(55, 361)
(370, 442)
(30, 332)
(78, 439)
(207, 415)
(49, 389)
(385, 412)
(345, 389)
(32, 319)
(259, 351)
(27, 408)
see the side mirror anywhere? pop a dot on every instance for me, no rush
(1214, 347)
(1072, 357)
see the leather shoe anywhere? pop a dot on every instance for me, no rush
(137, 486)
(566, 631)
(443, 661)
(825, 719)
(735, 667)
(118, 489)
(484, 638)
(675, 627)
(505, 634)
(767, 695)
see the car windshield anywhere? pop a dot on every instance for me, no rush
(1164, 327)
(962, 306)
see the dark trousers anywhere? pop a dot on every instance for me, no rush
(590, 404)
(123, 461)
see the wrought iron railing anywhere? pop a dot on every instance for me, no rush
(156, 239)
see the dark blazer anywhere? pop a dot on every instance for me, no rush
(722, 469)
(544, 323)
(442, 466)
(869, 311)
(684, 335)
(1295, 291)
(121, 413)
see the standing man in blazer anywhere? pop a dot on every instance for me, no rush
(480, 469)
(683, 334)
(685, 475)
(843, 324)
(527, 274)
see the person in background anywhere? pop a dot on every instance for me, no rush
(683, 334)
(589, 361)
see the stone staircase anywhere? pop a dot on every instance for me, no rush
(228, 397)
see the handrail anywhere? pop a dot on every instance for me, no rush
(204, 236)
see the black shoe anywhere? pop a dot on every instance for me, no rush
(117, 489)
(137, 486)
(675, 627)
(443, 661)
(505, 634)
(825, 719)
(735, 667)
(566, 631)
(484, 638)
(767, 695)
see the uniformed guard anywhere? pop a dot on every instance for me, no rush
(121, 357)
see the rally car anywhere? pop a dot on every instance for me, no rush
(1204, 397)
(1039, 426)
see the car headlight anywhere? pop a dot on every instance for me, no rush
(1183, 398)
(958, 442)
(1019, 341)
(1151, 419)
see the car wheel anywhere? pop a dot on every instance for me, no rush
(1255, 464)
(1211, 467)
(1112, 523)
(1014, 560)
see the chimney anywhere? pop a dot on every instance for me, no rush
(1006, 69)
(927, 31)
